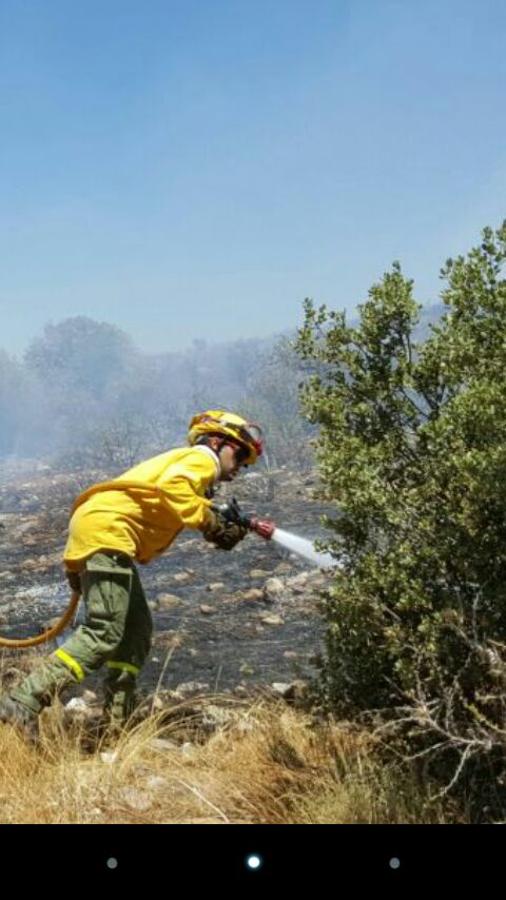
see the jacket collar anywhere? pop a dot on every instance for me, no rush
(214, 456)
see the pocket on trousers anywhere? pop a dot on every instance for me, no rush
(106, 591)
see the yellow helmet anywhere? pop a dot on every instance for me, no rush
(227, 424)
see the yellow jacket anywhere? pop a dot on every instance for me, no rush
(144, 509)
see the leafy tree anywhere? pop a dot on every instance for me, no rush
(81, 353)
(412, 449)
(83, 371)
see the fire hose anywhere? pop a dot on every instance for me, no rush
(230, 512)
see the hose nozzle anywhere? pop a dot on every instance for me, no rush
(262, 527)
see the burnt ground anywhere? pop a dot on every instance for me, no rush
(223, 621)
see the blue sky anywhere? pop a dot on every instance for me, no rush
(186, 169)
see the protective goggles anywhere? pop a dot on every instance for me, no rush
(241, 454)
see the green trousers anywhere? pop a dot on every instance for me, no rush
(116, 633)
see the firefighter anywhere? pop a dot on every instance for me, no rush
(116, 524)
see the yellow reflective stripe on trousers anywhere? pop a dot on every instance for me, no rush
(126, 667)
(71, 663)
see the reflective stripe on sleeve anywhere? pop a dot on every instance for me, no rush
(71, 663)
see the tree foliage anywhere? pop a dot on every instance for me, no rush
(84, 355)
(412, 449)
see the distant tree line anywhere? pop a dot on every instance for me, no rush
(83, 394)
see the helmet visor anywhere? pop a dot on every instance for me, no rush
(255, 431)
(252, 435)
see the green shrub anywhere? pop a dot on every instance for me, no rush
(412, 449)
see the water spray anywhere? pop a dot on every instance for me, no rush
(270, 532)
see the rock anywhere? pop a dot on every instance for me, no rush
(76, 704)
(109, 757)
(96, 813)
(240, 690)
(215, 586)
(168, 601)
(298, 583)
(230, 598)
(156, 782)
(284, 568)
(290, 654)
(259, 573)
(207, 610)
(280, 687)
(274, 588)
(191, 687)
(216, 717)
(272, 620)
(182, 576)
(138, 800)
(89, 696)
(156, 704)
(77, 710)
(255, 594)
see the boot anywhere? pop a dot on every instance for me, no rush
(119, 699)
(21, 717)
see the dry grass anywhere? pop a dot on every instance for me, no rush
(266, 763)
